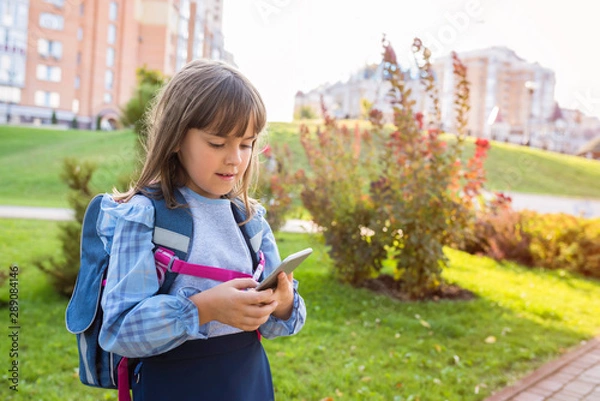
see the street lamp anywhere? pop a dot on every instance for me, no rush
(531, 86)
(11, 77)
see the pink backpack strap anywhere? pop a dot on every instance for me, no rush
(167, 261)
(123, 380)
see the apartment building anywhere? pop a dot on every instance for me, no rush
(75, 60)
(511, 100)
(504, 89)
(343, 99)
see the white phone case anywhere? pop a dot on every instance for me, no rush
(288, 265)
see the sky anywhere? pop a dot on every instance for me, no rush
(284, 46)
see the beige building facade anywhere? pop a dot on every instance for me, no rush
(76, 60)
(511, 100)
(504, 88)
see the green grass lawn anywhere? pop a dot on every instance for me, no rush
(520, 169)
(32, 163)
(355, 345)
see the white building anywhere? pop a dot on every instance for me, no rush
(343, 99)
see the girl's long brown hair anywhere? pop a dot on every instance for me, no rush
(207, 95)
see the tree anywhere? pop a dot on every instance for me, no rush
(63, 269)
(149, 83)
(365, 108)
(306, 113)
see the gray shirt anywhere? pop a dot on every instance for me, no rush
(217, 242)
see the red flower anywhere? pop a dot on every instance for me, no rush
(267, 151)
(419, 118)
(482, 143)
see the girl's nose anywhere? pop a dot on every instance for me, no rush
(234, 156)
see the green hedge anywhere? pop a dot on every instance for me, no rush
(552, 241)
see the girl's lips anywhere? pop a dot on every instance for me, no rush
(226, 176)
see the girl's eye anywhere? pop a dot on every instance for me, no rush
(247, 146)
(216, 145)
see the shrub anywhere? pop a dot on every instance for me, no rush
(552, 241)
(562, 241)
(419, 186)
(502, 236)
(305, 113)
(402, 194)
(62, 269)
(275, 184)
(334, 193)
(3, 277)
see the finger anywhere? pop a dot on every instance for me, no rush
(261, 297)
(268, 309)
(287, 277)
(284, 280)
(259, 313)
(252, 298)
(242, 283)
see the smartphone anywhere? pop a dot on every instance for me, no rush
(288, 265)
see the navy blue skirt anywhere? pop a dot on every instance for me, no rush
(232, 367)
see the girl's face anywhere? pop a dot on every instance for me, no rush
(215, 164)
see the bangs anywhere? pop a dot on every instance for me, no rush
(232, 105)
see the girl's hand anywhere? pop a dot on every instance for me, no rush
(284, 296)
(231, 304)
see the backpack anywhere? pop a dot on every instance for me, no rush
(173, 233)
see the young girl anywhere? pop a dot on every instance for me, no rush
(199, 341)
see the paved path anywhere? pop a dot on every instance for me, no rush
(39, 213)
(573, 377)
(541, 203)
(58, 214)
(556, 204)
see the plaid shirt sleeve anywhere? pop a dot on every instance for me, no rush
(136, 322)
(275, 327)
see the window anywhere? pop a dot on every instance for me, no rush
(108, 79)
(77, 81)
(79, 33)
(112, 34)
(12, 70)
(112, 10)
(75, 106)
(7, 12)
(52, 21)
(57, 3)
(10, 94)
(81, 9)
(22, 14)
(110, 57)
(184, 9)
(43, 47)
(47, 99)
(50, 48)
(107, 98)
(55, 74)
(48, 73)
